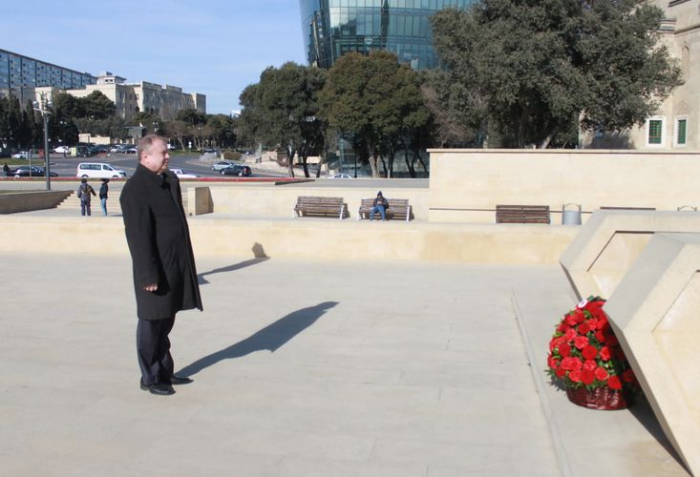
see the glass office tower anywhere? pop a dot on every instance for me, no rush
(335, 27)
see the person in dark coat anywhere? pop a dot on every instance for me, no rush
(104, 193)
(379, 204)
(165, 276)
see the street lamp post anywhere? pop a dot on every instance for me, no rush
(43, 107)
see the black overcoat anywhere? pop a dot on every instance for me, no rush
(159, 242)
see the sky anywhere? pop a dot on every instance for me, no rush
(212, 47)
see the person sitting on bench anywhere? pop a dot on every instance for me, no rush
(380, 205)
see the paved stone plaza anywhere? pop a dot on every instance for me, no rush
(304, 368)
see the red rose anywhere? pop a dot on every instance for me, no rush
(575, 376)
(595, 306)
(564, 350)
(555, 343)
(580, 342)
(600, 336)
(614, 382)
(570, 319)
(577, 364)
(589, 352)
(567, 364)
(583, 328)
(579, 316)
(589, 365)
(552, 362)
(603, 322)
(570, 334)
(628, 376)
(611, 340)
(560, 372)
(587, 377)
(601, 374)
(562, 327)
(605, 353)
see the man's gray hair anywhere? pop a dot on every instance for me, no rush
(146, 142)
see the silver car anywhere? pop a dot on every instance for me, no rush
(222, 165)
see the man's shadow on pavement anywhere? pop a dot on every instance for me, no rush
(230, 268)
(271, 338)
(258, 252)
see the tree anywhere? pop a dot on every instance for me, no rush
(542, 66)
(223, 130)
(98, 106)
(179, 130)
(282, 110)
(68, 106)
(375, 101)
(191, 116)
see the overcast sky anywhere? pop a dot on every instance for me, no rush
(213, 47)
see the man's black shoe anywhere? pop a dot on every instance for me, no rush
(159, 389)
(179, 380)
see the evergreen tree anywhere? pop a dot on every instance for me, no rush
(543, 66)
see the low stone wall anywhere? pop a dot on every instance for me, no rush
(305, 238)
(12, 203)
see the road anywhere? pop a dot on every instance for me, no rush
(66, 166)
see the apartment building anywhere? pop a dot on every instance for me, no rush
(27, 78)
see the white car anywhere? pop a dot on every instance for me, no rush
(183, 174)
(21, 155)
(98, 170)
(222, 165)
(62, 150)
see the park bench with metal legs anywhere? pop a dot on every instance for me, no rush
(398, 209)
(320, 207)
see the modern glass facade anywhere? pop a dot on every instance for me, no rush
(19, 73)
(334, 27)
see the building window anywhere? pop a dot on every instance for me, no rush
(655, 130)
(681, 131)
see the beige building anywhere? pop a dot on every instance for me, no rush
(676, 125)
(131, 98)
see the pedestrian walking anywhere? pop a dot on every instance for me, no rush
(104, 190)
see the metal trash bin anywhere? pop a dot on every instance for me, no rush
(571, 217)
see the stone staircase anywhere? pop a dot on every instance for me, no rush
(73, 203)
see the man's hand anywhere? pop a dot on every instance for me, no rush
(151, 288)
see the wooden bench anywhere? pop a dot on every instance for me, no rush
(398, 209)
(320, 207)
(522, 214)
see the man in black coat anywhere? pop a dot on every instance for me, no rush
(165, 276)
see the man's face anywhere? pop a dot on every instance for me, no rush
(156, 157)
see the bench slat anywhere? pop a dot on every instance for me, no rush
(522, 214)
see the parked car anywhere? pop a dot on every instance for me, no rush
(32, 171)
(20, 155)
(118, 148)
(236, 170)
(62, 150)
(183, 174)
(99, 170)
(222, 165)
(131, 150)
